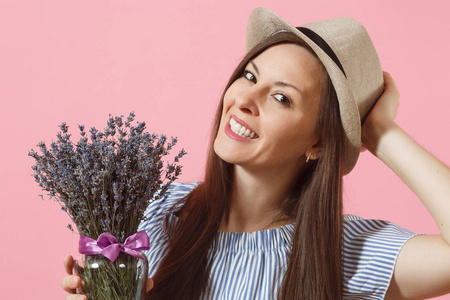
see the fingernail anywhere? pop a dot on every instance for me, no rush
(81, 298)
(74, 282)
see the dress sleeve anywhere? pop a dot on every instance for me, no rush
(370, 250)
(154, 223)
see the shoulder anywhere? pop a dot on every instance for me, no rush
(370, 250)
(173, 195)
(154, 221)
(357, 227)
(177, 191)
(158, 209)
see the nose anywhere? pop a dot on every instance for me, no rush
(248, 101)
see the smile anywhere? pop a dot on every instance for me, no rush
(241, 130)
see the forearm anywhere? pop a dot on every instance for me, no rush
(425, 175)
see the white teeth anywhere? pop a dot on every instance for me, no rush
(241, 130)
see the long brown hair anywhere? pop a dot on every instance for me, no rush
(315, 202)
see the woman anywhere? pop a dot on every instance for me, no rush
(267, 220)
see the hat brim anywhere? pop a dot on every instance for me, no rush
(264, 23)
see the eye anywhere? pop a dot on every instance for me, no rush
(249, 76)
(282, 99)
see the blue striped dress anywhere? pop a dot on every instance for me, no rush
(250, 265)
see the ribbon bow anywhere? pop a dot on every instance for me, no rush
(109, 246)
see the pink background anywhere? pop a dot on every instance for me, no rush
(78, 61)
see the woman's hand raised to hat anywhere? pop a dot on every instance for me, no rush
(423, 266)
(382, 117)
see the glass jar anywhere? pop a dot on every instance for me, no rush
(102, 279)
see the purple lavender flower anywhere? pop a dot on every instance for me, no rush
(106, 183)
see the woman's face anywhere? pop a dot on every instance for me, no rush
(269, 113)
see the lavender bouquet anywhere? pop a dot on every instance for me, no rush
(105, 185)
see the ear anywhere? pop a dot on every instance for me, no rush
(313, 153)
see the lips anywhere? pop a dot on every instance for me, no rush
(239, 130)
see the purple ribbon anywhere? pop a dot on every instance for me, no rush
(109, 246)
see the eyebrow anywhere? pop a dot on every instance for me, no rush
(285, 84)
(278, 83)
(255, 67)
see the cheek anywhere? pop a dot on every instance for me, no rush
(221, 148)
(219, 141)
(227, 102)
(237, 87)
(292, 137)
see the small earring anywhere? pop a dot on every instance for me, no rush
(309, 156)
(315, 155)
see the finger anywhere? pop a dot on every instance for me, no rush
(363, 149)
(76, 297)
(389, 83)
(71, 283)
(68, 264)
(150, 284)
(387, 78)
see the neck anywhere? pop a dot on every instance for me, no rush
(257, 198)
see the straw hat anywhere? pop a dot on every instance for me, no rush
(348, 54)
